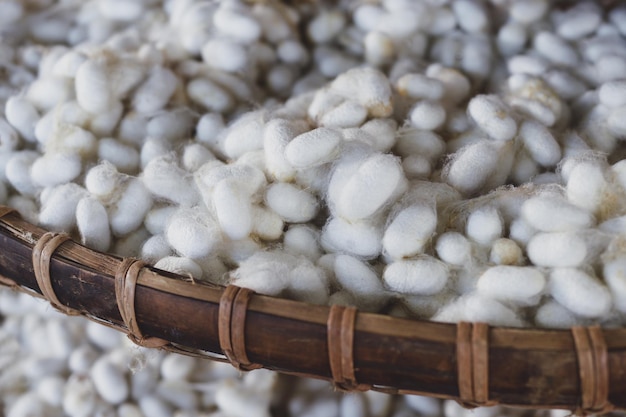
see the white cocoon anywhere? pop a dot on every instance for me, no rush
(302, 240)
(484, 225)
(492, 116)
(244, 134)
(155, 248)
(424, 275)
(93, 224)
(474, 307)
(347, 114)
(55, 169)
(180, 265)
(409, 231)
(265, 272)
(23, 116)
(103, 180)
(614, 273)
(210, 95)
(313, 148)
(233, 209)
(518, 284)
(9, 139)
(266, 224)
(308, 283)
(453, 248)
(192, 232)
(540, 143)
(154, 93)
(554, 214)
(129, 210)
(212, 172)
(360, 239)
(427, 115)
(59, 210)
(377, 182)
(472, 166)
(553, 315)
(360, 280)
(276, 136)
(166, 180)
(557, 249)
(94, 92)
(293, 204)
(224, 54)
(369, 87)
(124, 157)
(579, 292)
(109, 381)
(17, 171)
(419, 86)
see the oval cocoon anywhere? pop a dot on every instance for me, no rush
(558, 249)
(420, 276)
(519, 284)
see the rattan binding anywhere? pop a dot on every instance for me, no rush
(583, 369)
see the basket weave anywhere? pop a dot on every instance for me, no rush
(583, 369)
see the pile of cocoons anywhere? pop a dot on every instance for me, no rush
(443, 160)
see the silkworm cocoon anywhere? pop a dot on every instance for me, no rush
(233, 209)
(419, 86)
(192, 232)
(527, 65)
(120, 10)
(266, 225)
(377, 182)
(453, 248)
(153, 148)
(527, 12)
(225, 55)
(586, 185)
(23, 116)
(346, 114)
(94, 92)
(313, 148)
(505, 252)
(243, 135)
(155, 248)
(578, 21)
(616, 122)
(179, 394)
(55, 169)
(154, 93)
(237, 23)
(379, 48)
(325, 26)
(360, 239)
(177, 367)
(579, 292)
(211, 173)
(614, 274)
(27, 404)
(424, 275)
(412, 142)
(471, 15)
(109, 382)
(265, 272)
(292, 52)
(50, 390)
(129, 210)
(277, 134)
(553, 315)
(59, 210)
(180, 265)
(472, 166)
(511, 38)
(484, 225)
(554, 214)
(611, 94)
(79, 399)
(366, 16)
(25, 206)
(9, 138)
(518, 284)
(210, 95)
(409, 231)
(130, 244)
(308, 283)
(93, 224)
(369, 87)
(152, 405)
(360, 280)
(208, 128)
(557, 249)
(124, 157)
(540, 143)
(492, 116)
(427, 115)
(17, 171)
(103, 124)
(383, 131)
(477, 308)
(166, 180)
(46, 93)
(555, 49)
(103, 179)
(302, 240)
(293, 204)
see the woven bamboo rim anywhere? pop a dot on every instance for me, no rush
(583, 369)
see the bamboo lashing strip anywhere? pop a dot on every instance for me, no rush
(592, 356)
(340, 337)
(41, 256)
(231, 326)
(472, 355)
(125, 283)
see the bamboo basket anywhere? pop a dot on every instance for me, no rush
(583, 369)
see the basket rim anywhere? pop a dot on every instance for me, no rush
(582, 369)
